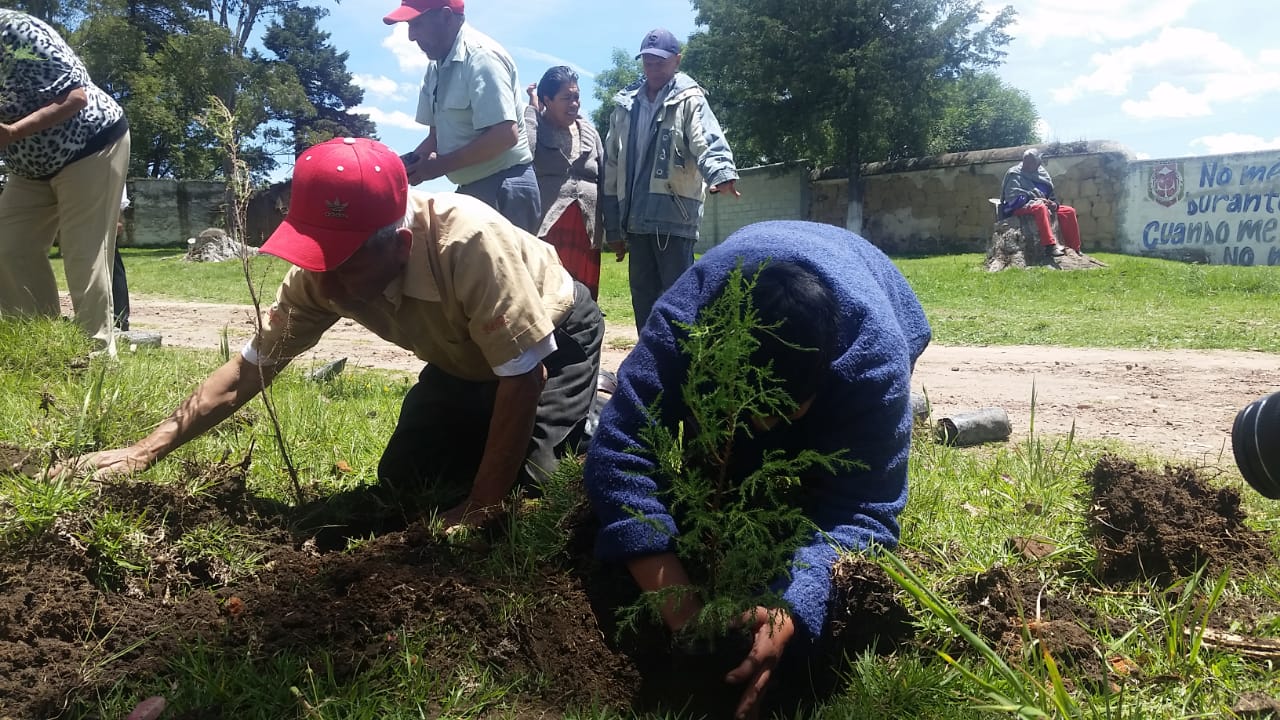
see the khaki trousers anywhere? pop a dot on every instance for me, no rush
(80, 205)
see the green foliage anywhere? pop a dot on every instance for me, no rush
(623, 71)
(540, 528)
(981, 111)
(162, 59)
(297, 41)
(737, 534)
(225, 549)
(837, 82)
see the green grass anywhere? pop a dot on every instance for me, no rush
(162, 273)
(1133, 303)
(965, 504)
(1141, 303)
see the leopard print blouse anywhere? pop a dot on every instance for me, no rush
(37, 67)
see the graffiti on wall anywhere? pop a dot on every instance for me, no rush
(1229, 210)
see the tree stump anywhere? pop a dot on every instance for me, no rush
(214, 245)
(1016, 244)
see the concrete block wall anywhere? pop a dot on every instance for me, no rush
(167, 212)
(769, 192)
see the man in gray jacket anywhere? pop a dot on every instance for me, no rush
(663, 150)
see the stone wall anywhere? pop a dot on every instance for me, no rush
(1220, 209)
(943, 203)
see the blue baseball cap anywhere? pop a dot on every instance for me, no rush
(659, 42)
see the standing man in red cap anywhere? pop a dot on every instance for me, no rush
(511, 341)
(470, 99)
(663, 150)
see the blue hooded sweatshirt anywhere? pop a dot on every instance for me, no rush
(862, 407)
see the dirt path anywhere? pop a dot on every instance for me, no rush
(1176, 403)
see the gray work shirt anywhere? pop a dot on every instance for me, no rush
(472, 89)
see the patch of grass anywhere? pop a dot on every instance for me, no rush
(29, 506)
(117, 546)
(615, 292)
(1135, 302)
(226, 551)
(162, 273)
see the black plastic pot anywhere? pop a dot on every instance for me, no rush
(1255, 439)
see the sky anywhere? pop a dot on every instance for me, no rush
(1163, 78)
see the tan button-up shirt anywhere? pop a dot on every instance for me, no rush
(475, 294)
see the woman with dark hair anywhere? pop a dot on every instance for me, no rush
(567, 158)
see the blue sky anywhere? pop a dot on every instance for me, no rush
(1164, 78)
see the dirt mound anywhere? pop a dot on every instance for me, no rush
(1013, 612)
(1163, 525)
(70, 626)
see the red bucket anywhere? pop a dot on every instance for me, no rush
(1255, 439)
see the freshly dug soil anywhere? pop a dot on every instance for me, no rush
(71, 626)
(1165, 525)
(1012, 611)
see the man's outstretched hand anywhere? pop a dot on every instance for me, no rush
(470, 515)
(106, 464)
(771, 629)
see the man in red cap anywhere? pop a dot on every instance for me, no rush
(511, 341)
(470, 99)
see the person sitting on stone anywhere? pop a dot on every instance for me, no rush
(1028, 190)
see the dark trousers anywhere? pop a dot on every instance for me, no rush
(654, 263)
(439, 440)
(512, 192)
(120, 293)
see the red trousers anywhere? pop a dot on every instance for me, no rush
(1067, 223)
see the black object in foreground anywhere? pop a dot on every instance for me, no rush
(1255, 439)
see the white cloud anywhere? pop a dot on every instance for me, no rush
(1175, 53)
(1193, 71)
(381, 87)
(1169, 101)
(408, 55)
(551, 60)
(1228, 143)
(395, 118)
(1040, 22)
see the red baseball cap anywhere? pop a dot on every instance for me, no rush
(344, 190)
(410, 9)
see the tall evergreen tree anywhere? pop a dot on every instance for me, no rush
(297, 42)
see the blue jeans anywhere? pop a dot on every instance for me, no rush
(655, 263)
(512, 192)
